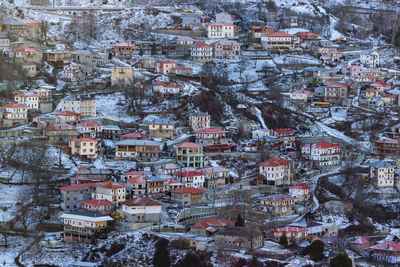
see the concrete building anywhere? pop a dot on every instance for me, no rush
(199, 120)
(82, 104)
(382, 174)
(220, 30)
(276, 171)
(84, 147)
(239, 238)
(189, 155)
(277, 205)
(201, 52)
(323, 154)
(188, 196)
(163, 128)
(122, 76)
(72, 195)
(111, 191)
(226, 49)
(141, 210)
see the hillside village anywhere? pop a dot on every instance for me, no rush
(229, 134)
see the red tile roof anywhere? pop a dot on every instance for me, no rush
(132, 135)
(189, 190)
(137, 180)
(77, 186)
(67, 113)
(212, 222)
(60, 127)
(14, 105)
(274, 162)
(188, 144)
(111, 185)
(325, 145)
(379, 84)
(279, 34)
(133, 173)
(289, 229)
(299, 186)
(386, 246)
(360, 241)
(123, 44)
(336, 85)
(201, 44)
(83, 140)
(168, 84)
(189, 174)
(97, 202)
(211, 131)
(302, 91)
(141, 201)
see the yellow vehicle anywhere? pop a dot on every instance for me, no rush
(322, 104)
(117, 216)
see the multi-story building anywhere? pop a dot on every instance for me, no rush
(60, 133)
(166, 67)
(324, 154)
(84, 227)
(84, 147)
(279, 40)
(123, 50)
(226, 49)
(167, 90)
(300, 192)
(388, 146)
(239, 238)
(293, 234)
(111, 191)
(131, 148)
(201, 51)
(387, 251)
(202, 227)
(278, 205)
(256, 32)
(335, 92)
(136, 182)
(68, 116)
(191, 178)
(27, 54)
(286, 136)
(276, 171)
(382, 173)
(89, 129)
(220, 30)
(211, 136)
(97, 205)
(122, 76)
(141, 210)
(189, 155)
(188, 196)
(82, 104)
(369, 58)
(31, 100)
(72, 195)
(163, 128)
(14, 114)
(215, 177)
(199, 120)
(155, 187)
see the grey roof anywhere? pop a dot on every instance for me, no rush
(163, 121)
(234, 231)
(82, 52)
(154, 179)
(199, 114)
(84, 213)
(381, 164)
(79, 97)
(131, 142)
(111, 127)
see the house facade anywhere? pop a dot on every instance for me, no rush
(324, 154)
(226, 49)
(199, 120)
(276, 171)
(189, 155)
(220, 30)
(163, 128)
(141, 210)
(382, 174)
(132, 148)
(84, 147)
(277, 205)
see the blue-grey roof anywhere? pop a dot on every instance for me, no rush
(163, 121)
(381, 164)
(131, 142)
(154, 179)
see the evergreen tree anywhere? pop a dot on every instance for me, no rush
(315, 250)
(341, 260)
(161, 255)
(110, 55)
(239, 221)
(283, 240)
(195, 259)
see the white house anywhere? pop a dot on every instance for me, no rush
(141, 209)
(369, 59)
(191, 178)
(220, 30)
(300, 192)
(301, 95)
(276, 171)
(382, 173)
(324, 154)
(29, 99)
(111, 191)
(82, 104)
(89, 129)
